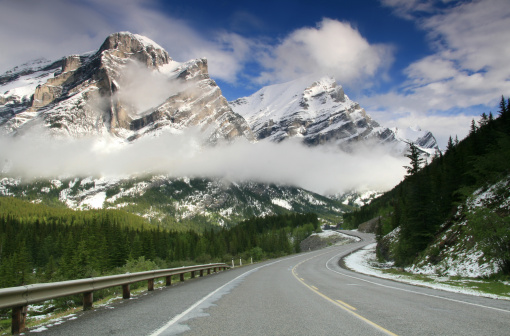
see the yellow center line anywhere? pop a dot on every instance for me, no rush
(346, 304)
(348, 308)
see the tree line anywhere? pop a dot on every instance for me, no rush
(430, 194)
(43, 244)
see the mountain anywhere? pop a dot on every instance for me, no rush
(319, 112)
(176, 202)
(129, 88)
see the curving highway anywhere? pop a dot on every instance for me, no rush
(304, 294)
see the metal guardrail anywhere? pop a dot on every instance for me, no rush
(18, 298)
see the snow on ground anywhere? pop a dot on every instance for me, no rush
(95, 201)
(138, 189)
(364, 261)
(227, 212)
(281, 202)
(484, 196)
(25, 85)
(56, 183)
(7, 182)
(459, 262)
(306, 196)
(54, 322)
(331, 233)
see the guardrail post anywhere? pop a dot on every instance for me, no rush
(214, 270)
(192, 274)
(208, 271)
(201, 273)
(169, 280)
(181, 277)
(88, 298)
(126, 292)
(19, 315)
(150, 285)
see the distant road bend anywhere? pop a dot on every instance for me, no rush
(304, 294)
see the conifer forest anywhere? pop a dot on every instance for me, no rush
(430, 194)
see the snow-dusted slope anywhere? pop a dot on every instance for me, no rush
(319, 112)
(165, 200)
(129, 88)
(455, 250)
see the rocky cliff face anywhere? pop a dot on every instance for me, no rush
(93, 94)
(199, 105)
(318, 112)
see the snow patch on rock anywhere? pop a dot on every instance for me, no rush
(282, 203)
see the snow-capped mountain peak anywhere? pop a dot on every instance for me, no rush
(319, 112)
(130, 87)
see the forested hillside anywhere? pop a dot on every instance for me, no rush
(428, 201)
(43, 244)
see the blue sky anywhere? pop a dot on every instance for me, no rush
(432, 63)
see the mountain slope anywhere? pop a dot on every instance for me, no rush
(129, 88)
(454, 211)
(319, 112)
(174, 202)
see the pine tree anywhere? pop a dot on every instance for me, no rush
(484, 120)
(504, 107)
(416, 161)
(450, 146)
(473, 127)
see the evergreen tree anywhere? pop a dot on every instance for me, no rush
(416, 161)
(450, 146)
(473, 127)
(484, 120)
(503, 107)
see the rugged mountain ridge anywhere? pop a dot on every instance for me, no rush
(94, 94)
(176, 202)
(130, 88)
(319, 112)
(90, 94)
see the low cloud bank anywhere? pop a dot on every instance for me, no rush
(324, 170)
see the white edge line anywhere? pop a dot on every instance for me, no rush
(411, 291)
(196, 304)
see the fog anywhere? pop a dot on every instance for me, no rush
(143, 88)
(325, 170)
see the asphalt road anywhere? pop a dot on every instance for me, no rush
(305, 294)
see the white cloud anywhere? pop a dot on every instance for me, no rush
(468, 68)
(470, 65)
(50, 29)
(323, 170)
(441, 126)
(430, 69)
(408, 8)
(143, 88)
(333, 48)
(54, 28)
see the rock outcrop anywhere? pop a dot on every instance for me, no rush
(318, 112)
(86, 95)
